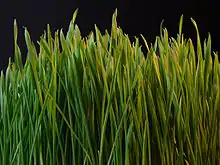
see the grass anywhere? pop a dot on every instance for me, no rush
(99, 100)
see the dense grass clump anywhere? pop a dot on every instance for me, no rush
(99, 100)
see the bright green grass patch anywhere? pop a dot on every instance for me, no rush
(99, 100)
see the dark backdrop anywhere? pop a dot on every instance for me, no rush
(135, 17)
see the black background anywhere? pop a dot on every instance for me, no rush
(134, 17)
